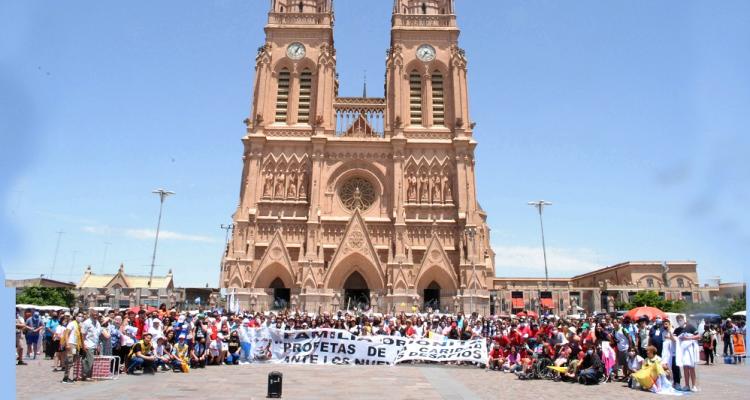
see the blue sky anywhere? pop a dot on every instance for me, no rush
(630, 116)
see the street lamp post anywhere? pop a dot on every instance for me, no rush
(540, 207)
(227, 228)
(471, 233)
(57, 249)
(162, 195)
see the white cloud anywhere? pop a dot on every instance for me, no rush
(528, 261)
(166, 235)
(146, 234)
(97, 229)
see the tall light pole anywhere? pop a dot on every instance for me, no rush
(57, 248)
(72, 265)
(104, 257)
(162, 195)
(227, 228)
(540, 207)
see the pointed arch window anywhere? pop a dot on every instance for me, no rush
(305, 91)
(415, 98)
(438, 99)
(282, 95)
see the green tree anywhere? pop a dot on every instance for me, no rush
(650, 298)
(45, 296)
(733, 306)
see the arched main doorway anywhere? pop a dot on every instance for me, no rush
(281, 294)
(356, 292)
(431, 296)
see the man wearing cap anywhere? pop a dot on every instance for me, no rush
(34, 326)
(142, 355)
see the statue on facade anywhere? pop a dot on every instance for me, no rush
(610, 303)
(411, 192)
(302, 183)
(437, 196)
(424, 187)
(268, 185)
(447, 190)
(280, 186)
(291, 192)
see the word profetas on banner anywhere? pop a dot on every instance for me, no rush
(334, 346)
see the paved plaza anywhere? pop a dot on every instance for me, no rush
(418, 381)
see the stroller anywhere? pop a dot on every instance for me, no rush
(539, 369)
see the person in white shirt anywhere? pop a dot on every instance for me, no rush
(72, 340)
(57, 335)
(91, 331)
(635, 363)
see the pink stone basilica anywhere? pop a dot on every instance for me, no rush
(359, 202)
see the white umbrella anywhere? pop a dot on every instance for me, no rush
(740, 313)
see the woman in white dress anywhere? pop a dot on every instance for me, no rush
(688, 352)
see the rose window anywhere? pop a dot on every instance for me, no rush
(357, 193)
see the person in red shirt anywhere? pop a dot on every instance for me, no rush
(140, 323)
(410, 332)
(524, 329)
(515, 336)
(534, 330)
(496, 358)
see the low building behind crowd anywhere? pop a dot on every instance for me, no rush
(599, 290)
(602, 289)
(122, 290)
(21, 284)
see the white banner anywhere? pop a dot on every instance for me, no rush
(327, 346)
(444, 351)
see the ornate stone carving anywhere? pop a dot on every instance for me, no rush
(357, 193)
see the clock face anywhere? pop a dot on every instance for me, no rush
(426, 53)
(295, 51)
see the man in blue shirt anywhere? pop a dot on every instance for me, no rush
(115, 336)
(656, 335)
(49, 330)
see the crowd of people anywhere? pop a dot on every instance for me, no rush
(589, 350)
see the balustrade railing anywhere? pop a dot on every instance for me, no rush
(360, 116)
(422, 20)
(299, 18)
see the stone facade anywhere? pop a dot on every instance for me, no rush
(355, 202)
(602, 289)
(122, 290)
